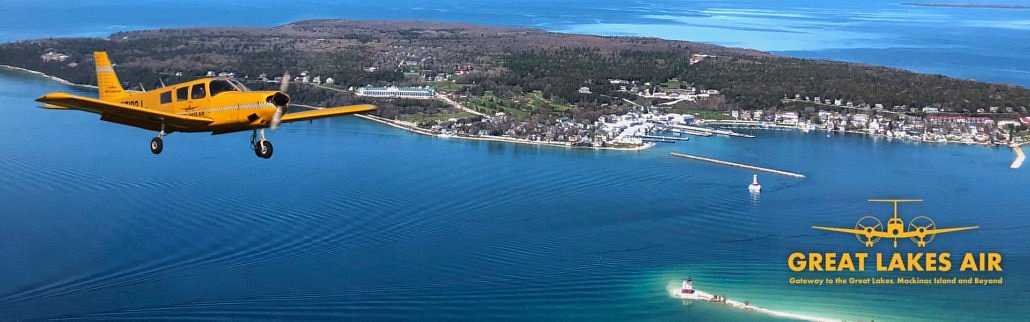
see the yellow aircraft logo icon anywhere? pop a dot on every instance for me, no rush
(215, 104)
(920, 230)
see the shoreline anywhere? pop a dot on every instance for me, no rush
(412, 128)
(756, 125)
(44, 75)
(393, 123)
(415, 129)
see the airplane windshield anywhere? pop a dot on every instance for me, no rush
(219, 86)
(240, 86)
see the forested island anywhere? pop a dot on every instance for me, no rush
(524, 83)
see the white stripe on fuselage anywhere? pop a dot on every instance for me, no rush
(230, 108)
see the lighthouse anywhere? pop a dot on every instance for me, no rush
(754, 187)
(688, 287)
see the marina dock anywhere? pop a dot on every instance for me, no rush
(659, 137)
(689, 132)
(711, 131)
(739, 165)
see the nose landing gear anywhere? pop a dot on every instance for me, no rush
(262, 148)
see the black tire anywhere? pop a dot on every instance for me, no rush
(156, 145)
(263, 149)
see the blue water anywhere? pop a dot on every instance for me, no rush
(352, 219)
(355, 220)
(974, 43)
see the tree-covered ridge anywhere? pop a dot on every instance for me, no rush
(506, 62)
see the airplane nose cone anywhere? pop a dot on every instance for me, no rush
(279, 99)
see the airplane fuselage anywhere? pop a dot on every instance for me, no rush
(230, 106)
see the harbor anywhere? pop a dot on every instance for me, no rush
(705, 131)
(739, 165)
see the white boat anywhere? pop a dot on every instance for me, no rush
(754, 187)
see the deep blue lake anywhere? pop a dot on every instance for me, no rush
(355, 220)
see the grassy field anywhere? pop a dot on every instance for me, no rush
(519, 106)
(674, 83)
(536, 101)
(491, 104)
(448, 86)
(706, 114)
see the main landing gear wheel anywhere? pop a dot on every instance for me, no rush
(263, 149)
(156, 145)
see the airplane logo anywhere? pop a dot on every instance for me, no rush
(920, 230)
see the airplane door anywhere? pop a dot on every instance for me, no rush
(199, 99)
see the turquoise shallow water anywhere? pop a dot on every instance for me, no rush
(352, 219)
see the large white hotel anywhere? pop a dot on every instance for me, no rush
(393, 91)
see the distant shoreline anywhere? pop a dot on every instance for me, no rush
(415, 129)
(865, 133)
(41, 74)
(411, 128)
(397, 124)
(967, 5)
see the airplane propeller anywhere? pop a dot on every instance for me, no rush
(284, 84)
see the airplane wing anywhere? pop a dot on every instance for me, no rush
(842, 230)
(948, 230)
(328, 112)
(914, 233)
(105, 108)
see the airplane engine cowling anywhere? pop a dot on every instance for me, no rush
(279, 99)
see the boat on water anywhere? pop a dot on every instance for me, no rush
(754, 187)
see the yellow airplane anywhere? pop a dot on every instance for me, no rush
(895, 228)
(217, 105)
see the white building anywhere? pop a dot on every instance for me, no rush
(787, 118)
(394, 91)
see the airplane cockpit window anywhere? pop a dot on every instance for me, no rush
(198, 92)
(240, 86)
(219, 86)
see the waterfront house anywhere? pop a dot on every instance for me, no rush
(786, 118)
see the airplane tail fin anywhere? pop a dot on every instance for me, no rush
(107, 81)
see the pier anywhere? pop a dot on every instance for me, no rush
(711, 131)
(1020, 157)
(739, 165)
(659, 137)
(689, 132)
